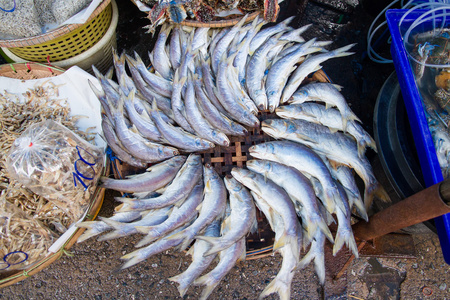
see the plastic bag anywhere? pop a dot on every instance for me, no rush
(23, 240)
(54, 162)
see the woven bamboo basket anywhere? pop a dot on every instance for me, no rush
(221, 23)
(223, 159)
(28, 71)
(53, 34)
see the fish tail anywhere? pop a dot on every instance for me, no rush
(89, 232)
(319, 266)
(289, 241)
(325, 230)
(375, 190)
(277, 286)
(146, 240)
(127, 204)
(209, 283)
(306, 259)
(182, 288)
(132, 259)
(366, 141)
(213, 241)
(345, 237)
(348, 116)
(115, 225)
(340, 52)
(332, 198)
(359, 204)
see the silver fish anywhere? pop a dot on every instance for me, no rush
(200, 125)
(142, 254)
(210, 86)
(176, 192)
(335, 146)
(344, 232)
(216, 37)
(155, 177)
(264, 34)
(256, 67)
(159, 58)
(121, 229)
(222, 45)
(299, 189)
(280, 202)
(199, 262)
(94, 228)
(316, 252)
(228, 258)
(328, 93)
(178, 137)
(139, 117)
(279, 72)
(148, 93)
(213, 115)
(303, 159)
(240, 61)
(332, 118)
(213, 205)
(178, 106)
(161, 85)
(345, 177)
(175, 47)
(310, 65)
(113, 142)
(242, 216)
(137, 145)
(178, 217)
(281, 284)
(237, 110)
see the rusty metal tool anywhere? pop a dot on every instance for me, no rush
(427, 204)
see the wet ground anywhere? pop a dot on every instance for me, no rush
(419, 273)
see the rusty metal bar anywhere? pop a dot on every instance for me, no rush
(430, 203)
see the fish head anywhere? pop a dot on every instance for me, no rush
(259, 166)
(166, 151)
(201, 143)
(232, 185)
(262, 151)
(210, 172)
(194, 159)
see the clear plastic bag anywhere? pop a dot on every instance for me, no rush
(54, 162)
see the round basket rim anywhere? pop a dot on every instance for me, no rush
(53, 34)
(92, 213)
(29, 70)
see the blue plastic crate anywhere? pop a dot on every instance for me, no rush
(422, 137)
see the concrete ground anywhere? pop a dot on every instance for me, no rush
(91, 271)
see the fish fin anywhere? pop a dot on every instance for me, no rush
(319, 267)
(132, 259)
(182, 289)
(215, 245)
(109, 74)
(338, 87)
(286, 240)
(345, 237)
(360, 208)
(283, 289)
(143, 229)
(89, 232)
(375, 190)
(305, 138)
(210, 285)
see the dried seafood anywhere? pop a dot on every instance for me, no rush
(17, 113)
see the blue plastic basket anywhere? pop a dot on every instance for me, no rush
(422, 137)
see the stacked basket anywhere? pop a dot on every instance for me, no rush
(83, 45)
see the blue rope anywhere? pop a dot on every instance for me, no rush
(111, 155)
(10, 10)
